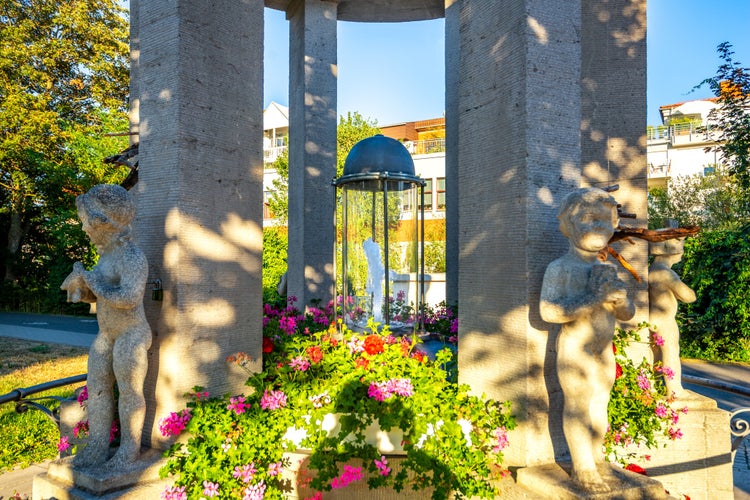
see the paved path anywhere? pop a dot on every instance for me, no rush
(80, 331)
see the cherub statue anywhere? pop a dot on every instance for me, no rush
(585, 296)
(665, 289)
(119, 352)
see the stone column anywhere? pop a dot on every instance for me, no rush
(452, 54)
(200, 193)
(312, 149)
(519, 147)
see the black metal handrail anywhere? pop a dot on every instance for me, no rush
(23, 402)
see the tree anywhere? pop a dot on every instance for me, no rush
(351, 130)
(731, 85)
(63, 84)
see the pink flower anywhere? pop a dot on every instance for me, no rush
(658, 339)
(238, 405)
(81, 429)
(643, 382)
(454, 326)
(299, 363)
(288, 324)
(317, 496)
(675, 433)
(273, 400)
(378, 391)
(501, 437)
(660, 410)
(63, 445)
(174, 493)
(83, 396)
(668, 372)
(113, 430)
(255, 491)
(175, 423)
(245, 473)
(210, 489)
(382, 466)
(400, 387)
(275, 469)
(349, 475)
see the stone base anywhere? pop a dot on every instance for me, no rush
(699, 464)
(553, 481)
(139, 481)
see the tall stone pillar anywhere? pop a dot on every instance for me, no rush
(452, 56)
(312, 149)
(519, 146)
(200, 193)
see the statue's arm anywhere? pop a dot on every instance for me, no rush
(681, 291)
(556, 305)
(128, 292)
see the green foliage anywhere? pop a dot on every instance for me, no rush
(63, 85)
(29, 437)
(275, 244)
(731, 85)
(352, 129)
(711, 201)
(279, 200)
(640, 412)
(327, 391)
(716, 265)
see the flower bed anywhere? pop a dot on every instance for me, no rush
(374, 384)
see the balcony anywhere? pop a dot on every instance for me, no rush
(426, 147)
(271, 154)
(682, 134)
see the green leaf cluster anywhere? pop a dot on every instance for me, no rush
(63, 87)
(640, 408)
(716, 265)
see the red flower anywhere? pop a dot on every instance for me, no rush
(315, 354)
(637, 469)
(362, 362)
(614, 348)
(267, 345)
(418, 355)
(618, 371)
(374, 344)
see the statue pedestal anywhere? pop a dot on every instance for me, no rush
(700, 463)
(141, 480)
(553, 481)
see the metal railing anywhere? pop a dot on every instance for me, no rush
(24, 402)
(682, 133)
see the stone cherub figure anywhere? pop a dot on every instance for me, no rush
(585, 296)
(119, 352)
(665, 289)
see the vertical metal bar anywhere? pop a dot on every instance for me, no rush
(387, 260)
(420, 298)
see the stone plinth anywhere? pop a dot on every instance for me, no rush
(137, 482)
(553, 481)
(699, 464)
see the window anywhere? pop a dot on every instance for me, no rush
(428, 195)
(440, 193)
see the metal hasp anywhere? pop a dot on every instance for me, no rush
(23, 402)
(380, 240)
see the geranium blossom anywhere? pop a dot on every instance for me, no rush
(174, 493)
(83, 396)
(501, 439)
(658, 339)
(238, 405)
(382, 466)
(63, 445)
(374, 344)
(175, 423)
(273, 400)
(275, 469)
(245, 473)
(267, 345)
(380, 391)
(81, 429)
(210, 489)
(349, 475)
(643, 382)
(660, 410)
(315, 354)
(355, 345)
(255, 491)
(299, 364)
(288, 324)
(636, 468)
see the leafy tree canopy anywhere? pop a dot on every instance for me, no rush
(64, 68)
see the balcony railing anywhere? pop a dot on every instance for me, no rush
(271, 154)
(682, 133)
(425, 147)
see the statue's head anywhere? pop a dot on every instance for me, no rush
(106, 209)
(588, 218)
(674, 246)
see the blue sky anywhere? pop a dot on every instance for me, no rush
(394, 72)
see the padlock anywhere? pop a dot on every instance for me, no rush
(156, 292)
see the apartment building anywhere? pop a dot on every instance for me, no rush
(682, 145)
